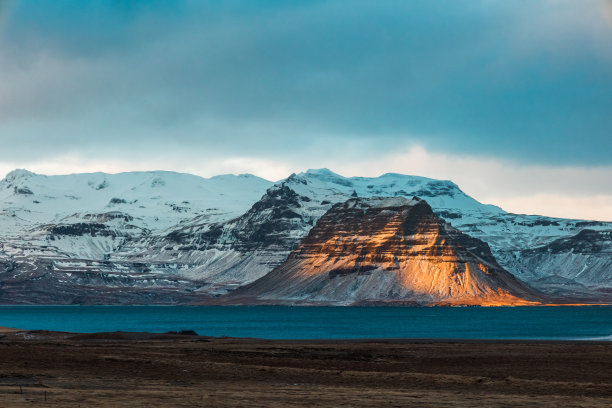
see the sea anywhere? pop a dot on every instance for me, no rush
(286, 322)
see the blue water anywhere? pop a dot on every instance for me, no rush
(280, 322)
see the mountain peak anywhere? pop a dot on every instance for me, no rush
(18, 174)
(321, 172)
(228, 176)
(326, 176)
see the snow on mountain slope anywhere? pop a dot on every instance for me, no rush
(93, 215)
(442, 194)
(580, 263)
(62, 233)
(229, 254)
(154, 200)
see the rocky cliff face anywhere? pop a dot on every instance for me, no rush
(388, 249)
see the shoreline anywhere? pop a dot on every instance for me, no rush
(43, 333)
(372, 304)
(9, 330)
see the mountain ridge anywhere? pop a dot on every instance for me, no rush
(207, 237)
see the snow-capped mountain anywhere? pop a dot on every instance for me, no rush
(388, 250)
(244, 249)
(92, 215)
(153, 200)
(230, 254)
(60, 235)
(169, 237)
(581, 263)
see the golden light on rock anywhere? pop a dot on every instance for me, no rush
(391, 250)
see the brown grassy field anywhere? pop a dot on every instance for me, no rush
(142, 370)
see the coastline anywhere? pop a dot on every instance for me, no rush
(253, 302)
(8, 330)
(148, 369)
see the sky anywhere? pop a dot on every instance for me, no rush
(512, 100)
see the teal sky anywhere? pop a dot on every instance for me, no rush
(274, 86)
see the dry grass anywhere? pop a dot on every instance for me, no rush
(173, 371)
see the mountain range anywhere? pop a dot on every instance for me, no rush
(312, 238)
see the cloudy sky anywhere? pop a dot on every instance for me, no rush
(512, 100)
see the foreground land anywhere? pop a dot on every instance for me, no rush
(144, 370)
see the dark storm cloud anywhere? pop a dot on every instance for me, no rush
(522, 80)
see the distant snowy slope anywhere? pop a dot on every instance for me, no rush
(154, 200)
(441, 194)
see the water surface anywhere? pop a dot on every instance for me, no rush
(285, 322)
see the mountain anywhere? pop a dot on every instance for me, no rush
(66, 239)
(176, 238)
(582, 262)
(388, 250)
(229, 254)
(154, 200)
